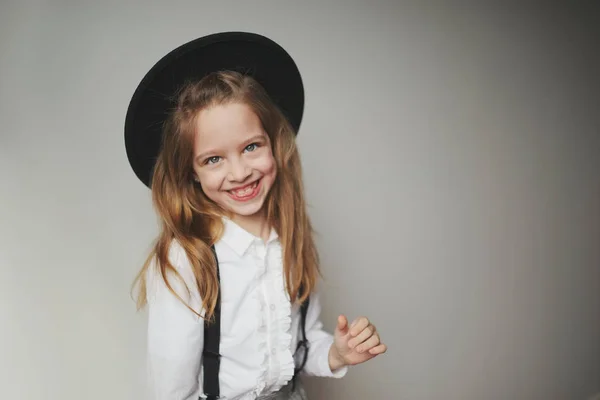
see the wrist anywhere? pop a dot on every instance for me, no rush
(335, 360)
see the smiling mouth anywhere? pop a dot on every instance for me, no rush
(245, 191)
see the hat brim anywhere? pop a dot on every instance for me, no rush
(248, 53)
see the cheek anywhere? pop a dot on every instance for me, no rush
(266, 165)
(210, 182)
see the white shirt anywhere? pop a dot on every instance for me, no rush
(259, 326)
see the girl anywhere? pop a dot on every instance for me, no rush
(231, 281)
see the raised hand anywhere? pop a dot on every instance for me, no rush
(354, 344)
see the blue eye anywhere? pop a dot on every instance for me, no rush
(213, 160)
(251, 147)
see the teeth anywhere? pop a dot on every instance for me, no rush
(246, 191)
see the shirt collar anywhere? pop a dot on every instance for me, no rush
(240, 239)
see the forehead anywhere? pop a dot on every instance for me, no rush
(225, 125)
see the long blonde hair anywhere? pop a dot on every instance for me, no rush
(189, 217)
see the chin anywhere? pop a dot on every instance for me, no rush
(246, 211)
(237, 208)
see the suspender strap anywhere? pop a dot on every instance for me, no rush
(302, 349)
(211, 359)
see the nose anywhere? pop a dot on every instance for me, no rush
(238, 171)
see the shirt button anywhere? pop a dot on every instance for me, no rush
(273, 351)
(272, 307)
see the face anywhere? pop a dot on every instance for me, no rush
(233, 160)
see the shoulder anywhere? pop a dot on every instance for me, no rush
(180, 277)
(177, 258)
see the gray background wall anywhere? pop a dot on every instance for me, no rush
(452, 165)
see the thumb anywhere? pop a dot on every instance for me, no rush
(342, 324)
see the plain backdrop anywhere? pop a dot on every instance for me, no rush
(452, 163)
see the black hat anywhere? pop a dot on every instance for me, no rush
(248, 53)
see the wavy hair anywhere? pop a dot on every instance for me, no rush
(189, 217)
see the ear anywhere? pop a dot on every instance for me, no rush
(195, 178)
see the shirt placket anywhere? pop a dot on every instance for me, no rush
(269, 308)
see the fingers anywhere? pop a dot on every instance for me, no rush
(367, 332)
(358, 326)
(342, 323)
(368, 344)
(362, 336)
(382, 348)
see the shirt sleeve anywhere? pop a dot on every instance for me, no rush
(320, 341)
(175, 334)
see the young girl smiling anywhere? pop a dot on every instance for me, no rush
(231, 281)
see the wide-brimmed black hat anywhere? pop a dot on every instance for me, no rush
(248, 53)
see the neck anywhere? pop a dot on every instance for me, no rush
(255, 224)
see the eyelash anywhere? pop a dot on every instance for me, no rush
(208, 160)
(256, 146)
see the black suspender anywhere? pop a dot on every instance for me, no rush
(302, 349)
(211, 358)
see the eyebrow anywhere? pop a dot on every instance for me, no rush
(246, 143)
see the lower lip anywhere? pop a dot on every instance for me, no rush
(247, 197)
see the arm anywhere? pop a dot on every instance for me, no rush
(320, 342)
(175, 334)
